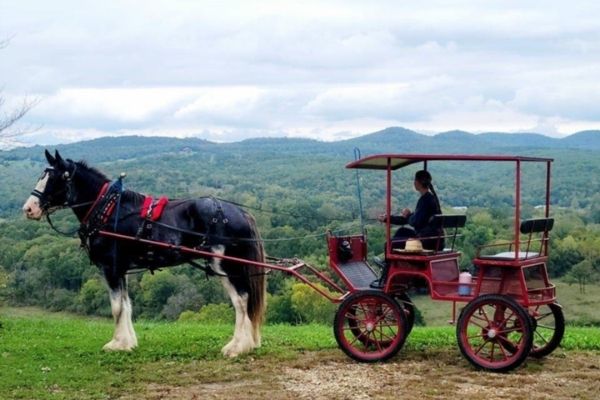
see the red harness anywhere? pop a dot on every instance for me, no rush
(152, 209)
(100, 196)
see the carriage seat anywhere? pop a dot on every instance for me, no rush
(443, 221)
(449, 221)
(528, 227)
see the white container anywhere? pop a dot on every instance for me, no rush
(464, 279)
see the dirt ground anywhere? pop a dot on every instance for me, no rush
(440, 374)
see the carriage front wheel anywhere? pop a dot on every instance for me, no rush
(549, 328)
(370, 326)
(494, 333)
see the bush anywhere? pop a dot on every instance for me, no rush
(217, 313)
(155, 291)
(310, 305)
(93, 298)
(62, 300)
(280, 310)
(186, 300)
(187, 316)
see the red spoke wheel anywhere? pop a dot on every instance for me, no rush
(370, 326)
(494, 333)
(549, 328)
(409, 310)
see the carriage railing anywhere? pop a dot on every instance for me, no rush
(528, 227)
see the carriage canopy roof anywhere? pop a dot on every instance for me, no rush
(380, 161)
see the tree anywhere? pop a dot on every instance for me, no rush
(8, 118)
(581, 273)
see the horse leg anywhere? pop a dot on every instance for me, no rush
(243, 336)
(124, 337)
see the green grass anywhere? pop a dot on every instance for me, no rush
(58, 356)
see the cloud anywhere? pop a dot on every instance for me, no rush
(322, 69)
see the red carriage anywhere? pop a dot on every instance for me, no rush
(511, 309)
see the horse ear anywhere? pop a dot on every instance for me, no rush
(59, 160)
(51, 160)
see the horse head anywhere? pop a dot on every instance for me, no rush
(52, 189)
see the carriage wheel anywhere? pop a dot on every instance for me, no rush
(549, 328)
(409, 311)
(494, 332)
(370, 326)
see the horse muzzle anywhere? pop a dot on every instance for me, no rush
(32, 209)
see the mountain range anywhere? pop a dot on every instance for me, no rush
(393, 139)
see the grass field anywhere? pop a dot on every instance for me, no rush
(58, 356)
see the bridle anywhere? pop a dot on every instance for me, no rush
(46, 199)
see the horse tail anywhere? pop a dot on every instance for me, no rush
(257, 279)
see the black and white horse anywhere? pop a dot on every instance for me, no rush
(202, 223)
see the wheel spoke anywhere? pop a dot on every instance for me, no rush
(512, 313)
(482, 311)
(547, 327)
(487, 321)
(510, 330)
(503, 352)
(477, 325)
(507, 341)
(541, 337)
(479, 335)
(485, 341)
(541, 317)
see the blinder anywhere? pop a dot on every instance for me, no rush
(45, 199)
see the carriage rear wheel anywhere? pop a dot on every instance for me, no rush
(549, 328)
(409, 311)
(370, 326)
(495, 333)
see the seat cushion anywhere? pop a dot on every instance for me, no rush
(510, 255)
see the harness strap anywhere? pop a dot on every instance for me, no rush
(100, 196)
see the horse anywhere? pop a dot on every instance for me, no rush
(204, 223)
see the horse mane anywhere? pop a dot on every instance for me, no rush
(128, 195)
(84, 165)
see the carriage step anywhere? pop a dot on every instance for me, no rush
(359, 273)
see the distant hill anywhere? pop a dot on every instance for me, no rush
(393, 139)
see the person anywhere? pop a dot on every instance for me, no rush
(417, 224)
(420, 220)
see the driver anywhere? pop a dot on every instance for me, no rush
(417, 224)
(419, 221)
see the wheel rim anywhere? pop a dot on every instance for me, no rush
(549, 326)
(371, 327)
(493, 333)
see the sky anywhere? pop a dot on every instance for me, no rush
(328, 70)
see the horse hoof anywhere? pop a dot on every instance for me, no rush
(116, 346)
(230, 350)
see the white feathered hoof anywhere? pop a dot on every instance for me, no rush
(114, 345)
(237, 347)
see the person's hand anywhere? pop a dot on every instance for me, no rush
(382, 218)
(406, 213)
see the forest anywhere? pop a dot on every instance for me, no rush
(297, 189)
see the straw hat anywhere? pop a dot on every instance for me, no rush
(413, 245)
